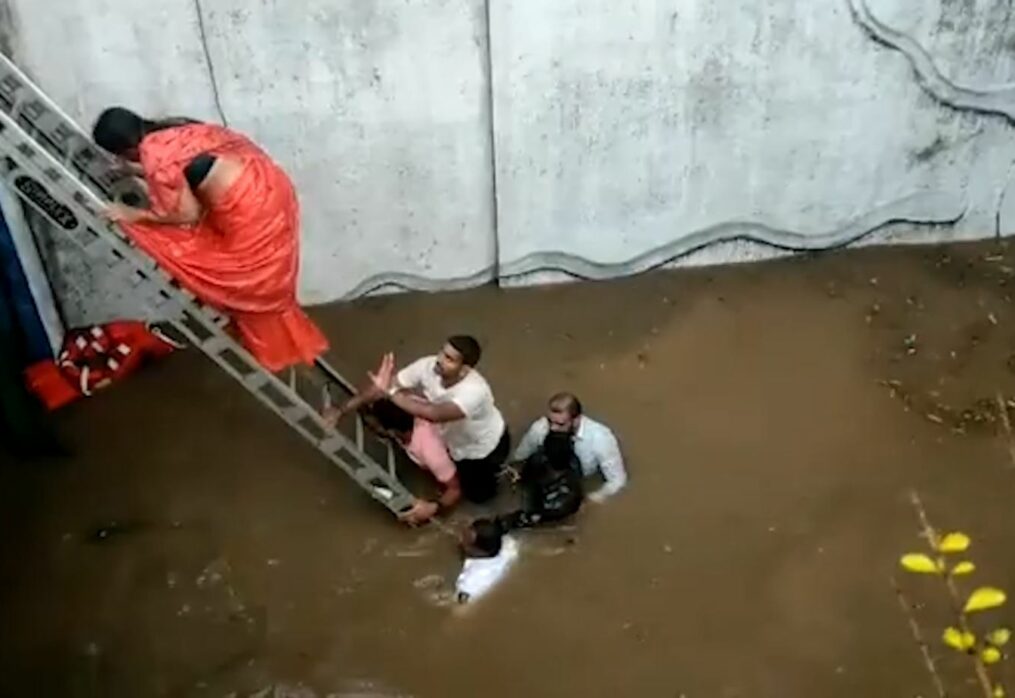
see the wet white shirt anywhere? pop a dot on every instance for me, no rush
(595, 446)
(481, 574)
(476, 435)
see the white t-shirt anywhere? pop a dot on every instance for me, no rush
(479, 433)
(481, 574)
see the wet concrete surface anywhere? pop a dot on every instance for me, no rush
(774, 417)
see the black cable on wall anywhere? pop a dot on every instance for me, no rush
(207, 59)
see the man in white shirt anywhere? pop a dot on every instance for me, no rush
(594, 444)
(459, 400)
(489, 555)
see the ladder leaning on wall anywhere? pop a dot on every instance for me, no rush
(51, 163)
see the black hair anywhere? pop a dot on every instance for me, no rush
(488, 536)
(558, 447)
(119, 130)
(567, 401)
(391, 417)
(468, 347)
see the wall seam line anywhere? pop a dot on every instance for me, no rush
(491, 125)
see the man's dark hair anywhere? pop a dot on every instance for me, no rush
(391, 417)
(468, 347)
(568, 402)
(488, 536)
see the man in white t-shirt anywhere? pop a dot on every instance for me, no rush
(458, 398)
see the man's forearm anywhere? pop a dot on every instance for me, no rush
(355, 402)
(415, 406)
(608, 489)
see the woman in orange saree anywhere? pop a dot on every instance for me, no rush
(224, 221)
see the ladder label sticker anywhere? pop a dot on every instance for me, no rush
(37, 194)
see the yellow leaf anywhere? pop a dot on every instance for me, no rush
(984, 598)
(965, 567)
(920, 563)
(999, 691)
(999, 637)
(953, 543)
(990, 655)
(958, 640)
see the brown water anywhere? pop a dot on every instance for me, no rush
(750, 556)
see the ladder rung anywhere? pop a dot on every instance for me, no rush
(255, 381)
(215, 345)
(294, 413)
(332, 444)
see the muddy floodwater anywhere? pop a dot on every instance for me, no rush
(775, 419)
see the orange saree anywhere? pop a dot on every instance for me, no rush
(243, 256)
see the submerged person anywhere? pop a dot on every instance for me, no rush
(551, 484)
(489, 554)
(224, 222)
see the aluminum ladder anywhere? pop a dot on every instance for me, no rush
(51, 163)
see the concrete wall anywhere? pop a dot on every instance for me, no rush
(631, 134)
(626, 134)
(377, 108)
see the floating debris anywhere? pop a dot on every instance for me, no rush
(910, 344)
(110, 529)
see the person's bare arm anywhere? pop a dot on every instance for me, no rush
(451, 494)
(437, 412)
(361, 399)
(188, 212)
(424, 510)
(385, 383)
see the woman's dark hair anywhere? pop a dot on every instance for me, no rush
(391, 417)
(119, 130)
(488, 536)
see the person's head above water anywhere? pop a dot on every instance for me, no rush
(482, 538)
(457, 357)
(564, 412)
(120, 131)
